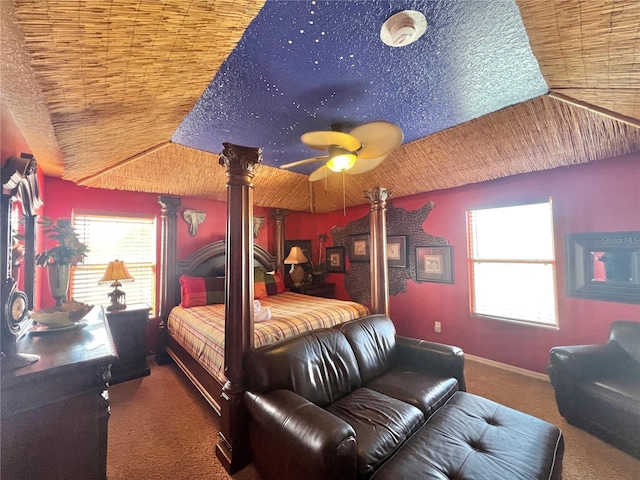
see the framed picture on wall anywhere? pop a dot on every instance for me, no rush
(434, 264)
(335, 260)
(359, 248)
(397, 251)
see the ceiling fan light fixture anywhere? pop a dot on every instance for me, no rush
(403, 28)
(340, 159)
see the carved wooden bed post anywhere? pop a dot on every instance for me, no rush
(168, 282)
(233, 448)
(279, 215)
(378, 259)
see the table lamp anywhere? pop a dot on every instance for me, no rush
(116, 272)
(295, 259)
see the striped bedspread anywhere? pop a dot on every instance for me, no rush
(200, 330)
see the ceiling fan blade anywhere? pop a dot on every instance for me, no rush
(377, 138)
(320, 173)
(363, 165)
(322, 140)
(319, 158)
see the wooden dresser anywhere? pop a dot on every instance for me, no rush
(54, 413)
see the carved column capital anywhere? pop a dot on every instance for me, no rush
(169, 205)
(377, 195)
(279, 214)
(236, 157)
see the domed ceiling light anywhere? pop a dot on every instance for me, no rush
(403, 28)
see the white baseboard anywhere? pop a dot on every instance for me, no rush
(505, 366)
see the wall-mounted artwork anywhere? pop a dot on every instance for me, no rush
(359, 248)
(194, 219)
(335, 260)
(397, 251)
(604, 266)
(357, 280)
(433, 264)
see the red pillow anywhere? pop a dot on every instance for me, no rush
(198, 291)
(275, 283)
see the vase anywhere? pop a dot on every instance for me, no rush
(58, 282)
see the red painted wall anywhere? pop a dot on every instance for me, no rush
(63, 196)
(601, 196)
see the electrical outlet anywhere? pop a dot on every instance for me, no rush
(437, 327)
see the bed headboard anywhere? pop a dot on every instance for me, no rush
(210, 261)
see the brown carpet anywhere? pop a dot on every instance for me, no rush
(161, 428)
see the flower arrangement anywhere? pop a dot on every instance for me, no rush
(69, 250)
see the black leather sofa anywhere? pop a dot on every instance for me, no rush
(357, 401)
(310, 397)
(597, 387)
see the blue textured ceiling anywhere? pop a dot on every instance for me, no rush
(304, 65)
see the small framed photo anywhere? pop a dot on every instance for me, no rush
(397, 251)
(434, 264)
(359, 248)
(335, 260)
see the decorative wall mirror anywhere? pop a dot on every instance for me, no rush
(20, 197)
(604, 266)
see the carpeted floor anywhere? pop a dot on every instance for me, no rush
(161, 428)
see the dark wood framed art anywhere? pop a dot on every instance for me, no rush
(335, 259)
(434, 264)
(397, 251)
(359, 248)
(604, 266)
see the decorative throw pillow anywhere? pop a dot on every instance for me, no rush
(198, 291)
(259, 285)
(274, 282)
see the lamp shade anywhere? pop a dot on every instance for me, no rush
(295, 257)
(116, 272)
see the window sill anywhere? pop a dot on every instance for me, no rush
(517, 322)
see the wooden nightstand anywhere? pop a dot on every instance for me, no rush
(129, 331)
(326, 290)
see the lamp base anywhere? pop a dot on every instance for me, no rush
(297, 275)
(117, 297)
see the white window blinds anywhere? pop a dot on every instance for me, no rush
(512, 263)
(131, 239)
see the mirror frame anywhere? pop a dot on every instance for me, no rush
(579, 265)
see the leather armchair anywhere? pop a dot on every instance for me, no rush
(597, 387)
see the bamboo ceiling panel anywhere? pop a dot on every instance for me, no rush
(118, 77)
(588, 50)
(182, 171)
(22, 97)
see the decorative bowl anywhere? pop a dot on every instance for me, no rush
(64, 316)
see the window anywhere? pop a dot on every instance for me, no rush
(512, 263)
(131, 239)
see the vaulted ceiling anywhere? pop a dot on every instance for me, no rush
(140, 95)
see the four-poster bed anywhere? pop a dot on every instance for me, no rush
(223, 383)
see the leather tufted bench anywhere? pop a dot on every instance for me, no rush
(471, 438)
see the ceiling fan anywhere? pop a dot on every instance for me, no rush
(359, 150)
